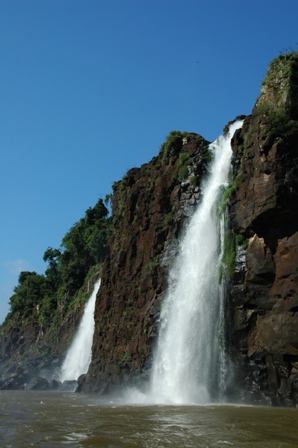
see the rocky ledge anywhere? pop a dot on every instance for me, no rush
(150, 207)
(263, 306)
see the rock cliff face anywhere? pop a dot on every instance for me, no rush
(150, 206)
(263, 306)
(27, 352)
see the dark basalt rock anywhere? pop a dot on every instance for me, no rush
(262, 312)
(69, 385)
(55, 385)
(13, 379)
(38, 354)
(150, 206)
(37, 383)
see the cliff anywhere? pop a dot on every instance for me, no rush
(150, 208)
(262, 303)
(45, 310)
(28, 352)
(262, 311)
(150, 205)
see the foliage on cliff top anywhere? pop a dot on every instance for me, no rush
(282, 77)
(279, 96)
(278, 122)
(83, 247)
(280, 87)
(173, 139)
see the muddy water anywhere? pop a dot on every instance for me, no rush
(43, 419)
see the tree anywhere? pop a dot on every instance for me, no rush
(52, 256)
(28, 293)
(83, 246)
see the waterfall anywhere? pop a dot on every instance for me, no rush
(189, 362)
(78, 356)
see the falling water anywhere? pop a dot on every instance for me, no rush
(188, 364)
(78, 357)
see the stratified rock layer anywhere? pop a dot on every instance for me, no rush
(264, 208)
(27, 351)
(150, 205)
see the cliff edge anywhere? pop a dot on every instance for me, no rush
(262, 311)
(150, 207)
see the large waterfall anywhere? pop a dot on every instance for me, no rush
(189, 362)
(78, 357)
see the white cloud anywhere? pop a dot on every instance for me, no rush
(17, 266)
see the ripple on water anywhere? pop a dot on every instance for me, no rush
(77, 421)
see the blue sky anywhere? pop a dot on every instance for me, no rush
(91, 88)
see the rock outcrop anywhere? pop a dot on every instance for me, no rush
(27, 351)
(150, 206)
(263, 318)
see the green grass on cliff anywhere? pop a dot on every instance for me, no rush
(173, 140)
(279, 94)
(282, 75)
(227, 267)
(278, 122)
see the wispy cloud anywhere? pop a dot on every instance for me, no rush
(16, 266)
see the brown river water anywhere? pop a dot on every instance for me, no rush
(55, 419)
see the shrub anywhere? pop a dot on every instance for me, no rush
(151, 266)
(278, 122)
(194, 180)
(181, 171)
(173, 139)
(241, 241)
(169, 218)
(228, 258)
(226, 196)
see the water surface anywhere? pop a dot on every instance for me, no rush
(54, 419)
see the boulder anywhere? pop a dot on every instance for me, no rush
(37, 383)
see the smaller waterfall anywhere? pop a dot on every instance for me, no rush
(78, 357)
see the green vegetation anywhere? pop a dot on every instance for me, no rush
(229, 255)
(241, 241)
(83, 250)
(282, 74)
(169, 218)
(182, 167)
(126, 357)
(279, 124)
(108, 199)
(226, 196)
(206, 156)
(194, 180)
(30, 288)
(173, 143)
(151, 266)
(173, 139)
(279, 86)
(227, 266)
